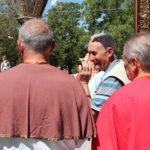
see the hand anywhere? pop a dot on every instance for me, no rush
(87, 68)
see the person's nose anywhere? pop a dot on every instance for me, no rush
(91, 57)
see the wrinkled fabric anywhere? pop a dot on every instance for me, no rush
(40, 101)
(124, 120)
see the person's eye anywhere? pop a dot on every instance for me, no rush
(93, 53)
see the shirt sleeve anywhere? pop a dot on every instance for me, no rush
(104, 91)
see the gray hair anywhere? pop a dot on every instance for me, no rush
(96, 35)
(105, 39)
(138, 46)
(36, 35)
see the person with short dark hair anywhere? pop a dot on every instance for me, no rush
(41, 107)
(124, 120)
(101, 49)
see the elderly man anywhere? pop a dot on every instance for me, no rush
(101, 49)
(36, 111)
(124, 121)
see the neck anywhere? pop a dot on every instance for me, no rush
(112, 58)
(107, 66)
(32, 57)
(143, 74)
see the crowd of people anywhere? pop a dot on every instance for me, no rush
(107, 101)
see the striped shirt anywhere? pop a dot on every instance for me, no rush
(106, 89)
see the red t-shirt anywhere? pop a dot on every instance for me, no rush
(124, 120)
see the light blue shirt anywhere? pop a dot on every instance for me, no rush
(106, 88)
(94, 82)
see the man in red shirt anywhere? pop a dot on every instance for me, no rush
(124, 120)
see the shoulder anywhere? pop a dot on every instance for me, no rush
(117, 70)
(110, 83)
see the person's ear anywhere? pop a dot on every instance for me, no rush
(20, 47)
(52, 47)
(135, 65)
(110, 51)
(134, 61)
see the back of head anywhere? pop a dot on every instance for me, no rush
(105, 39)
(138, 46)
(36, 35)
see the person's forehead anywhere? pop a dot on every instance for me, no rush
(95, 46)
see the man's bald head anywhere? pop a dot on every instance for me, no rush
(36, 35)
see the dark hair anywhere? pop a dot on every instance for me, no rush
(106, 41)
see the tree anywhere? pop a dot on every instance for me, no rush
(65, 20)
(115, 17)
(8, 33)
(8, 38)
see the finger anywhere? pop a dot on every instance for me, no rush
(91, 66)
(79, 68)
(84, 66)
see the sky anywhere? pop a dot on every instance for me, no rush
(51, 3)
